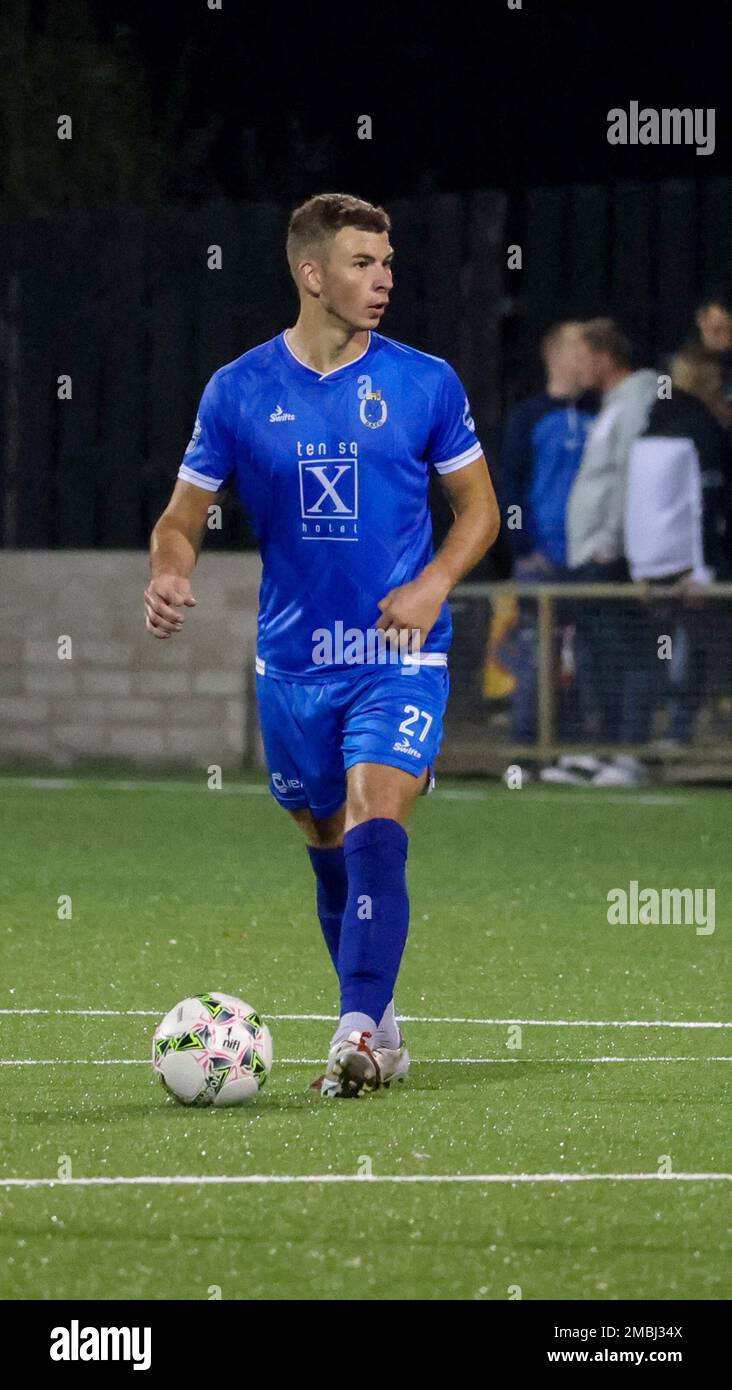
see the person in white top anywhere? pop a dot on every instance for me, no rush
(677, 532)
(595, 546)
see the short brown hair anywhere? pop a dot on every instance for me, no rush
(603, 335)
(696, 370)
(553, 336)
(322, 216)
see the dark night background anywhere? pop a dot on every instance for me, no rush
(194, 126)
(259, 100)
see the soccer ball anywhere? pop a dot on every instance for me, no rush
(212, 1049)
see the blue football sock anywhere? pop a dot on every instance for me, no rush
(376, 918)
(329, 866)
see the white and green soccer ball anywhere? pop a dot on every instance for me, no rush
(212, 1049)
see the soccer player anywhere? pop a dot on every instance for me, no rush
(329, 432)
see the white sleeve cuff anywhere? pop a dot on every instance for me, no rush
(189, 475)
(460, 460)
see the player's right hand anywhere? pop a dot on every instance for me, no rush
(163, 596)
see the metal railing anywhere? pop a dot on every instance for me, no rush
(476, 738)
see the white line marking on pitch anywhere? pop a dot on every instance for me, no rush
(404, 1018)
(180, 1180)
(63, 784)
(318, 1061)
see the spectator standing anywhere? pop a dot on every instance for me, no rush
(540, 455)
(595, 511)
(714, 328)
(677, 529)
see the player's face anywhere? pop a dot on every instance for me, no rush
(356, 277)
(563, 359)
(589, 367)
(715, 328)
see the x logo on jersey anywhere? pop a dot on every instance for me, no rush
(329, 488)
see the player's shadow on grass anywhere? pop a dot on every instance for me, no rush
(122, 1110)
(276, 1103)
(447, 1076)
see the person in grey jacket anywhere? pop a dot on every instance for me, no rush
(595, 517)
(596, 502)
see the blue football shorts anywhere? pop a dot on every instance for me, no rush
(314, 731)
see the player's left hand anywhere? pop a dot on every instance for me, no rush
(412, 608)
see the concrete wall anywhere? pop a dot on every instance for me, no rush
(124, 695)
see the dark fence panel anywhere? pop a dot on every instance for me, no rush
(76, 263)
(124, 302)
(676, 253)
(40, 303)
(632, 258)
(588, 272)
(715, 198)
(123, 368)
(546, 259)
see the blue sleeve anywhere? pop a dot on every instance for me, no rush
(452, 442)
(514, 474)
(210, 458)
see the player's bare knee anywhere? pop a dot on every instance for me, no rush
(320, 834)
(384, 807)
(380, 794)
(326, 839)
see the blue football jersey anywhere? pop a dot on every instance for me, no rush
(333, 472)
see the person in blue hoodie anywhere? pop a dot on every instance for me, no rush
(540, 455)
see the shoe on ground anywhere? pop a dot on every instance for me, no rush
(352, 1070)
(575, 770)
(393, 1063)
(623, 771)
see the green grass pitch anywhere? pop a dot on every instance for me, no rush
(176, 889)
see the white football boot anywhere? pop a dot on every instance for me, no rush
(393, 1062)
(352, 1069)
(623, 771)
(578, 770)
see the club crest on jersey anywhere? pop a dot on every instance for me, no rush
(373, 410)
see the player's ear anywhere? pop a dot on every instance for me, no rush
(310, 277)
